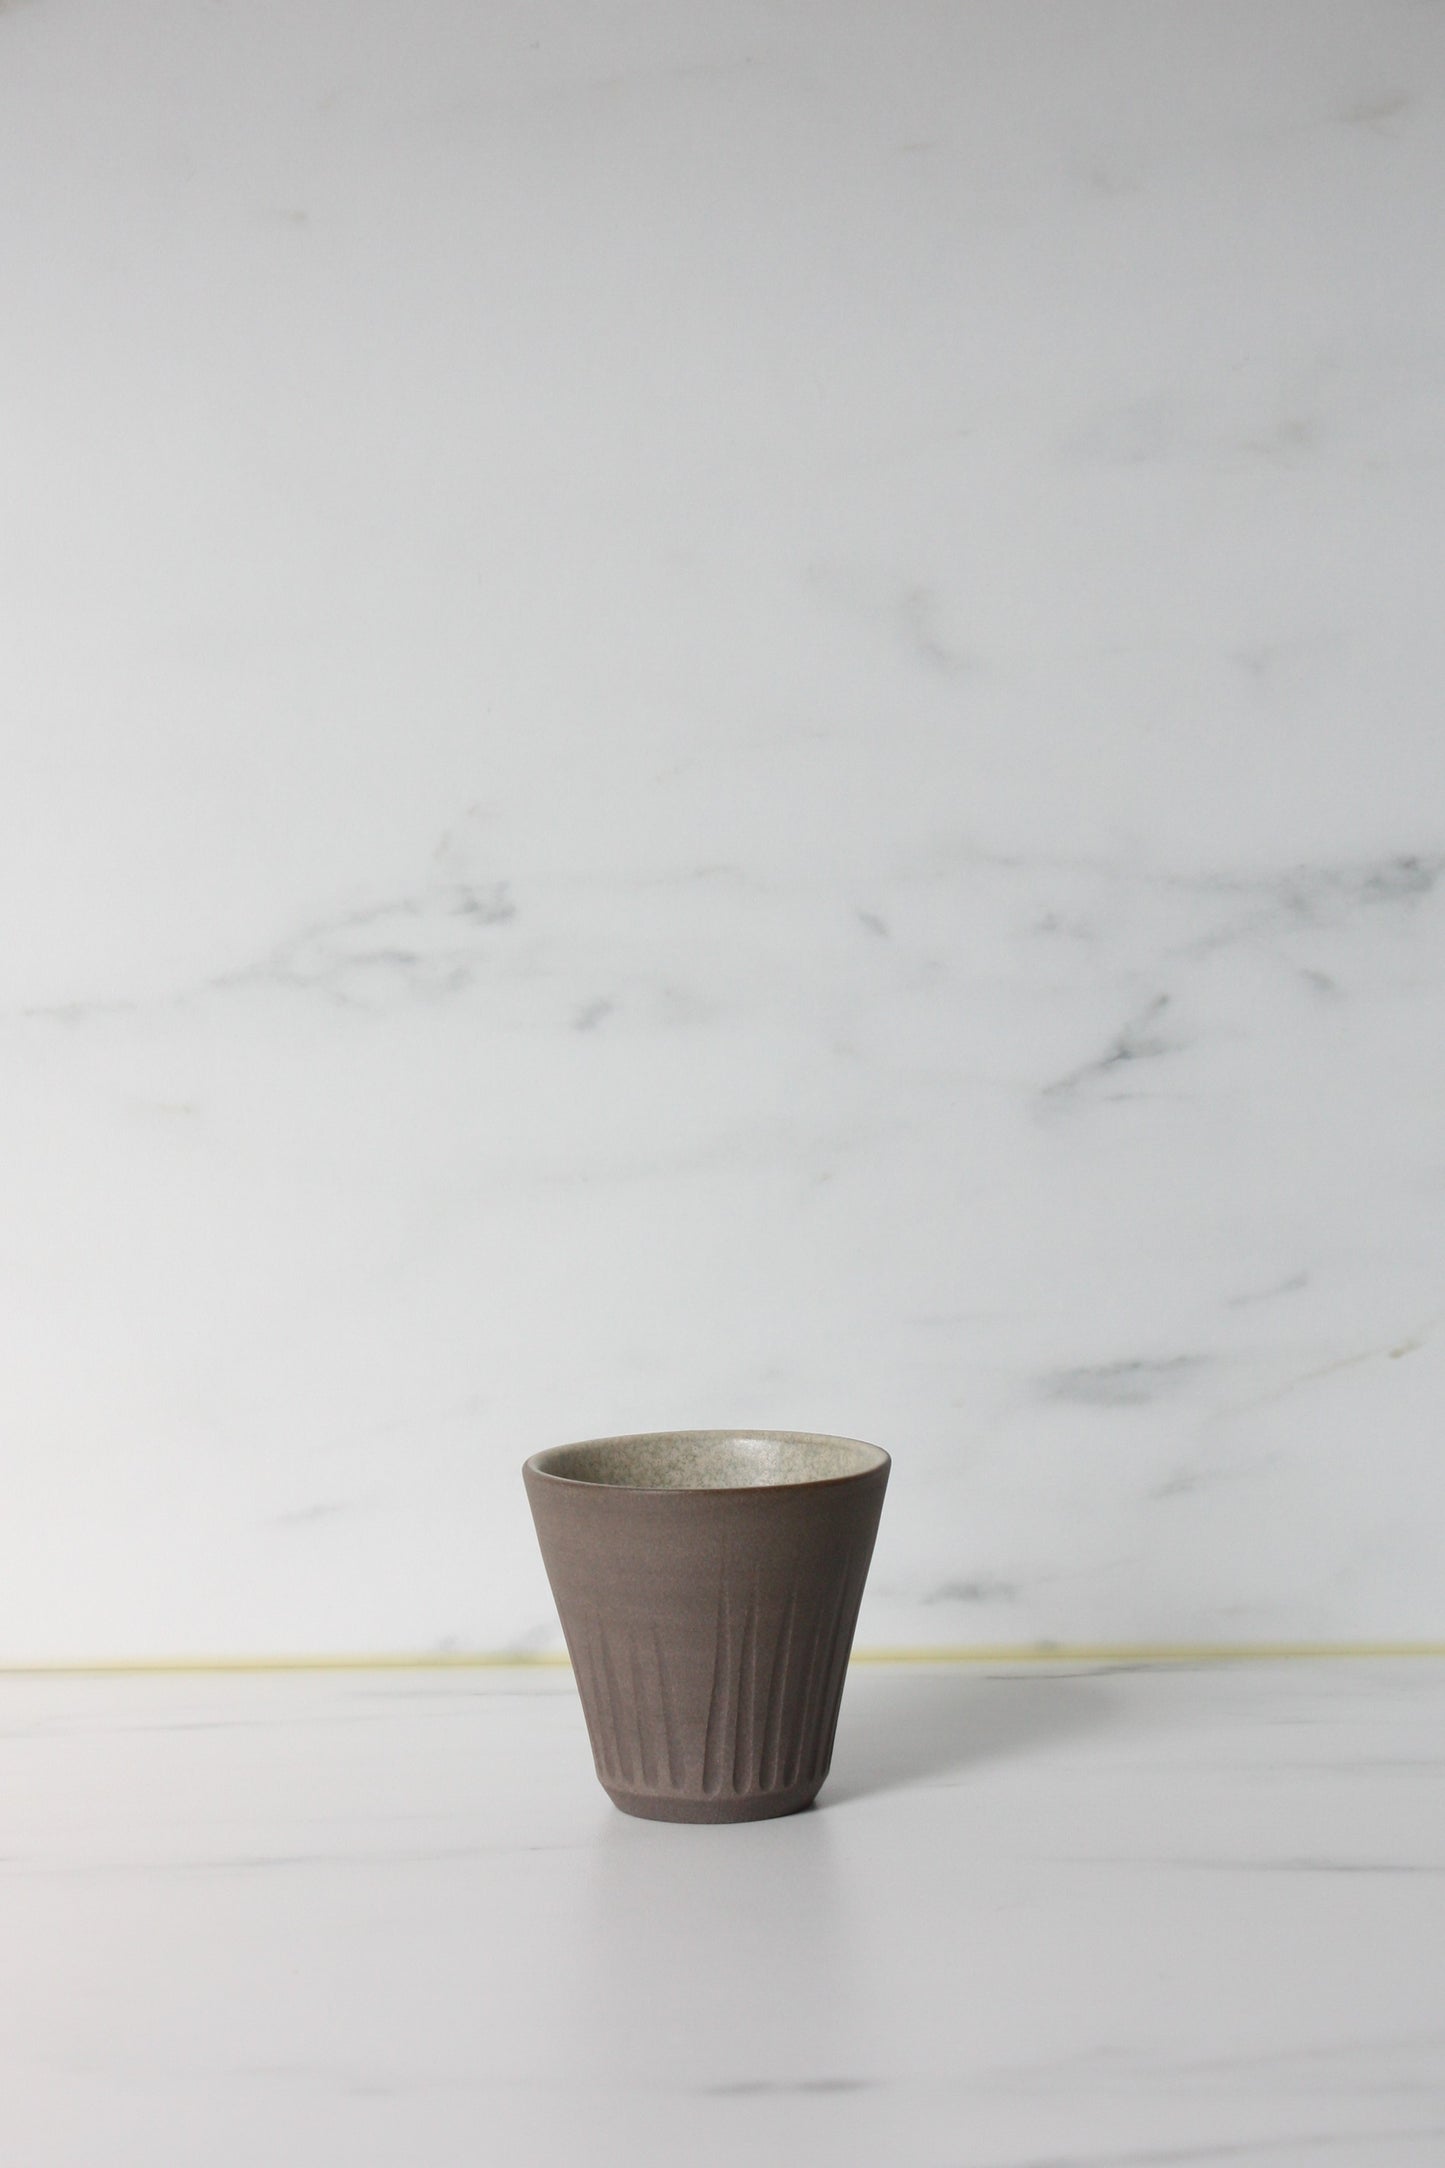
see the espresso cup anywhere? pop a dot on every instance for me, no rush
(708, 1584)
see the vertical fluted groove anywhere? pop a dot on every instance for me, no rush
(581, 1654)
(762, 1635)
(621, 1745)
(826, 1627)
(582, 1642)
(640, 1703)
(837, 1665)
(777, 1697)
(608, 1728)
(671, 1737)
(745, 1673)
(718, 1696)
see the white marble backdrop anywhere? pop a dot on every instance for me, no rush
(721, 713)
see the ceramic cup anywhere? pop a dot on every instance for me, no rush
(708, 1583)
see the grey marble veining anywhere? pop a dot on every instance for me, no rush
(721, 716)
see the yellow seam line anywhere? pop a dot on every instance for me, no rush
(1064, 1652)
(1153, 1652)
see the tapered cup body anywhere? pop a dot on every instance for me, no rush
(708, 1584)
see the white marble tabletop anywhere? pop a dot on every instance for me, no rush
(1042, 1918)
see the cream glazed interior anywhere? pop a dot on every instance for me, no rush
(710, 1460)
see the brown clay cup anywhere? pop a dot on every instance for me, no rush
(708, 1583)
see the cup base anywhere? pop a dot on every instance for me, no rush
(755, 1807)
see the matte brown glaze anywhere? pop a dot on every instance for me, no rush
(708, 1587)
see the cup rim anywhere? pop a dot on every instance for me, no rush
(879, 1464)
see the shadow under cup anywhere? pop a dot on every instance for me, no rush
(708, 1583)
